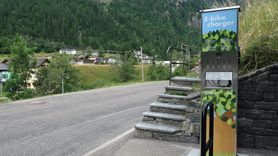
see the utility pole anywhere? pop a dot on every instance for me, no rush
(63, 84)
(142, 65)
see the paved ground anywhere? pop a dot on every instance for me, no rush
(146, 147)
(72, 124)
(256, 152)
(130, 146)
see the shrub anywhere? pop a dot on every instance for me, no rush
(259, 55)
(123, 72)
(49, 79)
(127, 71)
(258, 34)
(158, 72)
(258, 31)
(24, 94)
(180, 71)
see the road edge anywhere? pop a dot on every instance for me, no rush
(76, 92)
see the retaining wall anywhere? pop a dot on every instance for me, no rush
(258, 109)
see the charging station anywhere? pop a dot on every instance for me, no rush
(219, 81)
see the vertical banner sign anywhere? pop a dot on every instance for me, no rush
(219, 61)
(219, 30)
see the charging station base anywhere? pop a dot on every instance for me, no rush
(196, 152)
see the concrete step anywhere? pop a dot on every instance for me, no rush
(164, 116)
(157, 127)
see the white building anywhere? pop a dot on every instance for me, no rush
(67, 51)
(146, 59)
(112, 61)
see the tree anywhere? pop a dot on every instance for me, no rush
(59, 76)
(125, 71)
(158, 72)
(21, 66)
(88, 51)
(5, 44)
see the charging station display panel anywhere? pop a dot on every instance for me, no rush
(220, 30)
(218, 79)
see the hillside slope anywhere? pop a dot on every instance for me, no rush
(118, 25)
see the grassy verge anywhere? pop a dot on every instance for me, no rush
(4, 56)
(258, 34)
(97, 76)
(3, 98)
(37, 55)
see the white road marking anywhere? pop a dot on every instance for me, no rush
(109, 142)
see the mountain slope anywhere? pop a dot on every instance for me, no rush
(117, 25)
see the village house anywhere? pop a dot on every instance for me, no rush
(146, 59)
(40, 63)
(68, 51)
(79, 59)
(112, 61)
(5, 74)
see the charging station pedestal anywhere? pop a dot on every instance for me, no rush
(219, 78)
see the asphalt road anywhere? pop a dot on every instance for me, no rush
(72, 124)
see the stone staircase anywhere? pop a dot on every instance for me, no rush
(175, 115)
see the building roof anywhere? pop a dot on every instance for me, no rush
(67, 49)
(41, 61)
(6, 61)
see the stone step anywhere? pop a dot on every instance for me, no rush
(179, 97)
(168, 106)
(157, 127)
(154, 120)
(169, 96)
(184, 81)
(176, 137)
(166, 116)
(178, 88)
(172, 108)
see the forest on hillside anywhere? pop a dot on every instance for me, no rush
(49, 25)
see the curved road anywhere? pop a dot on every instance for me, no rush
(75, 123)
